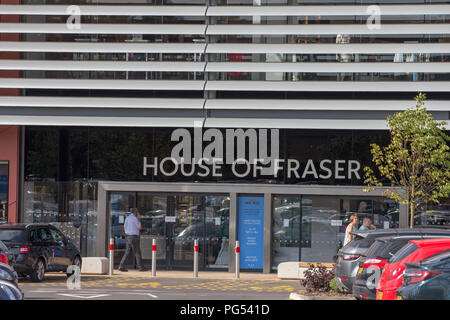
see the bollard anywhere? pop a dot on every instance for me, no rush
(195, 258)
(111, 256)
(154, 258)
(238, 261)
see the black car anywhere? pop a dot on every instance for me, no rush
(6, 256)
(427, 280)
(349, 256)
(372, 263)
(38, 248)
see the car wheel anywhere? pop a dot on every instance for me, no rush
(76, 262)
(38, 272)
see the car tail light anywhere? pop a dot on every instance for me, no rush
(4, 258)
(374, 264)
(350, 256)
(363, 296)
(344, 278)
(419, 276)
(25, 249)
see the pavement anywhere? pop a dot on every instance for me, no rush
(167, 285)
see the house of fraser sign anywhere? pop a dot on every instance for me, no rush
(249, 152)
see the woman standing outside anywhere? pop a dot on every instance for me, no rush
(353, 226)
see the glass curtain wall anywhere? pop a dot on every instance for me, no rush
(312, 228)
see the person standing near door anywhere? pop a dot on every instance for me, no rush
(132, 228)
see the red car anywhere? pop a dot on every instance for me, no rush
(415, 251)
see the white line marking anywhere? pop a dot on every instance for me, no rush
(83, 297)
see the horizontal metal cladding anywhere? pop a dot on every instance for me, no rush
(100, 102)
(73, 120)
(91, 28)
(205, 48)
(329, 86)
(216, 11)
(216, 104)
(320, 104)
(102, 65)
(225, 29)
(126, 47)
(176, 66)
(102, 84)
(94, 47)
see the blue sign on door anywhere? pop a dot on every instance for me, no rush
(251, 231)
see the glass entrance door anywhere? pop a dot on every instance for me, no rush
(175, 221)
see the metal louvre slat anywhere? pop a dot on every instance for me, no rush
(119, 47)
(387, 67)
(96, 102)
(326, 10)
(102, 84)
(369, 48)
(234, 29)
(331, 86)
(322, 105)
(101, 65)
(104, 10)
(96, 121)
(215, 11)
(230, 29)
(91, 28)
(122, 47)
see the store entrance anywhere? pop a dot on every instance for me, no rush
(175, 221)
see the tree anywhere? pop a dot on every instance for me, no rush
(416, 162)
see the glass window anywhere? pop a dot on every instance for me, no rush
(33, 236)
(3, 191)
(285, 229)
(320, 229)
(12, 235)
(57, 236)
(44, 234)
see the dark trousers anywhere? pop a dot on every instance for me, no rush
(133, 243)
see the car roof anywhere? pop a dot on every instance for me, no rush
(380, 232)
(399, 238)
(431, 242)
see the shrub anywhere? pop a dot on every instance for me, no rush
(333, 285)
(317, 278)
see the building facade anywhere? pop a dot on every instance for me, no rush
(219, 120)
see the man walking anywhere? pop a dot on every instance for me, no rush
(132, 228)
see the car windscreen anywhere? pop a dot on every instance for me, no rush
(12, 235)
(403, 252)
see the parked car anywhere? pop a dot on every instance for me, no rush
(7, 273)
(349, 257)
(372, 263)
(38, 248)
(6, 256)
(8, 291)
(415, 251)
(427, 280)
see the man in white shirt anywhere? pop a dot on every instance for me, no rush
(132, 228)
